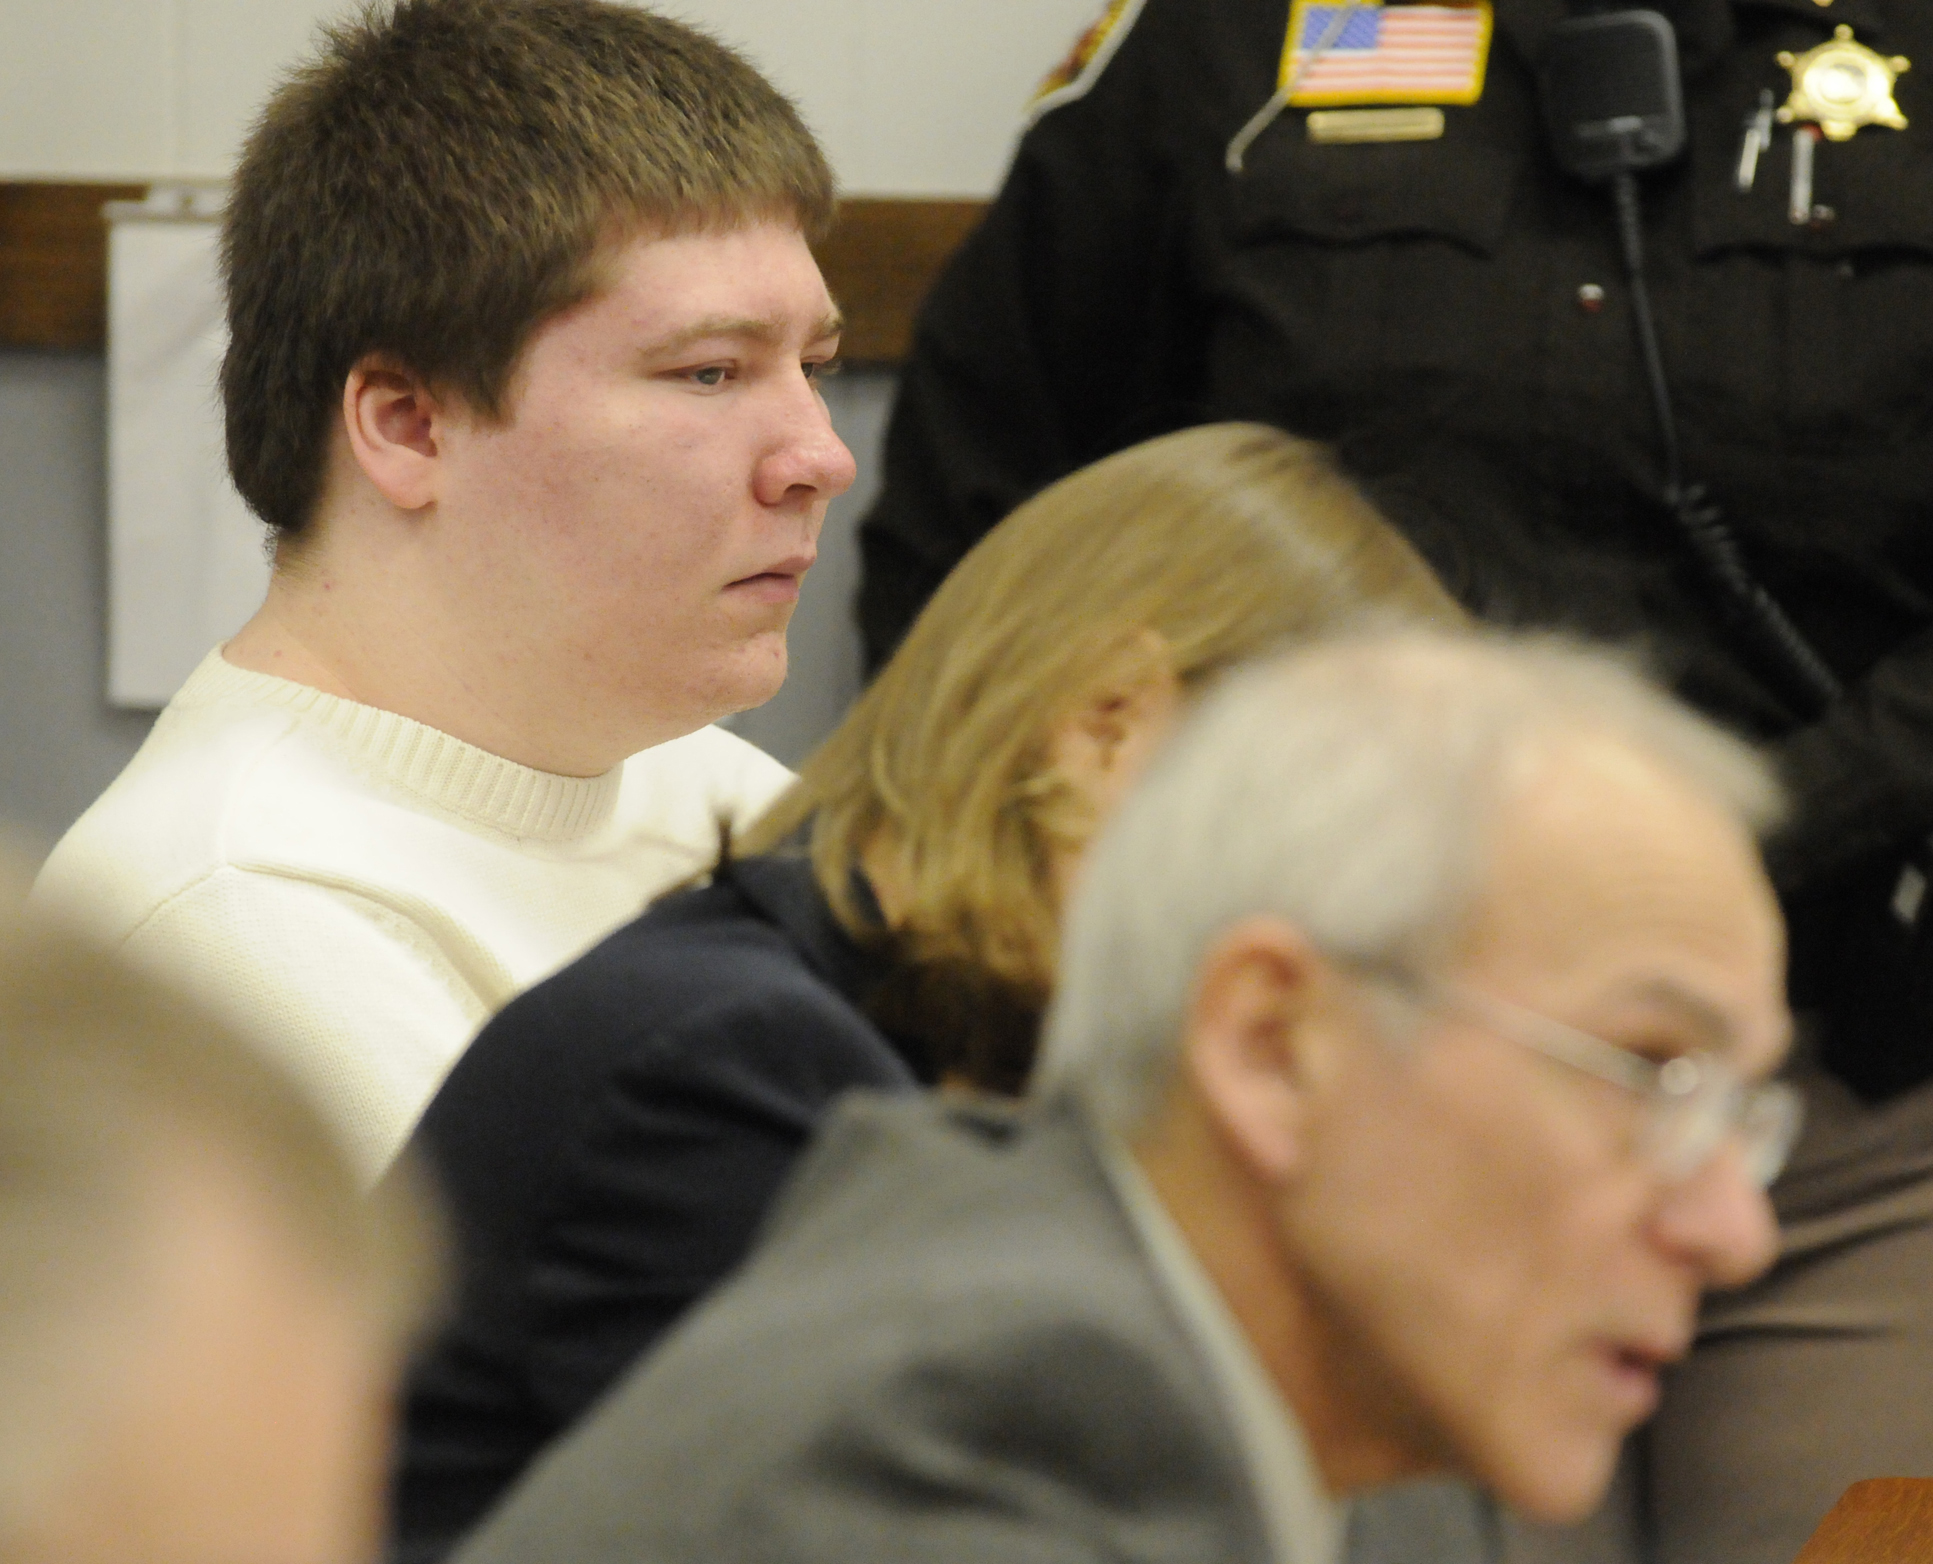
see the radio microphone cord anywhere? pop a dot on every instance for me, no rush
(1704, 527)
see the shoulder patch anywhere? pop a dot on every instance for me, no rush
(1088, 58)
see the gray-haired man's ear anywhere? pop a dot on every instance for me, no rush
(1259, 1043)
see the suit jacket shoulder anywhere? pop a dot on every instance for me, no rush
(949, 1347)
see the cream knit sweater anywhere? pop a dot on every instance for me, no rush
(362, 892)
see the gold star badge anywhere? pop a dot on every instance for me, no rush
(1841, 86)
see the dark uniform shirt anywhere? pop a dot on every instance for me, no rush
(1419, 304)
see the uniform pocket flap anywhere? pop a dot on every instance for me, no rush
(1872, 193)
(1458, 187)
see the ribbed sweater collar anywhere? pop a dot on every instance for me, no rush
(441, 771)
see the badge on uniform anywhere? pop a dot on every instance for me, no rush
(1838, 88)
(1841, 86)
(1344, 52)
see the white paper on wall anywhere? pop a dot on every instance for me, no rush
(187, 562)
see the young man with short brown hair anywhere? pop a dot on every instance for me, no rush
(525, 329)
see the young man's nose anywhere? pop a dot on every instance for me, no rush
(808, 461)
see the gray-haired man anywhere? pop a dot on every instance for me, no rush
(1402, 1096)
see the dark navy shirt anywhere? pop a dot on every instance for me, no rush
(609, 1145)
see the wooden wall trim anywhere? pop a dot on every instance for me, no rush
(1881, 1518)
(879, 263)
(53, 263)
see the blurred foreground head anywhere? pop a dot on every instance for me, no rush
(1433, 983)
(201, 1315)
(1042, 675)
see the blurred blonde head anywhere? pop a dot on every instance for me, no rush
(1188, 553)
(202, 1313)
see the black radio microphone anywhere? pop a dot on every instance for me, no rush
(1614, 106)
(1611, 94)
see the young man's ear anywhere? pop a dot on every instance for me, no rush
(395, 428)
(1255, 1043)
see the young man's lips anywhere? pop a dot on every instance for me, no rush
(780, 583)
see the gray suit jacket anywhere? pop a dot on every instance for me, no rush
(949, 1347)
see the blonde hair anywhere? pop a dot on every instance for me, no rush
(1212, 545)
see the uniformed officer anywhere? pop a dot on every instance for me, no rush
(1346, 220)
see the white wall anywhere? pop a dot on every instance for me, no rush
(60, 743)
(911, 97)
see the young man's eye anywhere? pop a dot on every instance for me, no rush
(823, 370)
(712, 375)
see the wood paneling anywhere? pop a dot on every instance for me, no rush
(879, 263)
(1888, 1520)
(53, 263)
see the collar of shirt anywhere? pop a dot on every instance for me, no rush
(786, 890)
(1304, 1523)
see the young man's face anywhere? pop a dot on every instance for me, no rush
(637, 526)
(1503, 1257)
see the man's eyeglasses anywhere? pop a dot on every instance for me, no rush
(1692, 1102)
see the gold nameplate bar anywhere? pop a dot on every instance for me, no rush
(1341, 125)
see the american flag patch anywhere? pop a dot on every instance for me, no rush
(1379, 53)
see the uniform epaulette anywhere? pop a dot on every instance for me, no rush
(1076, 74)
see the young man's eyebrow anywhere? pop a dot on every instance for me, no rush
(752, 328)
